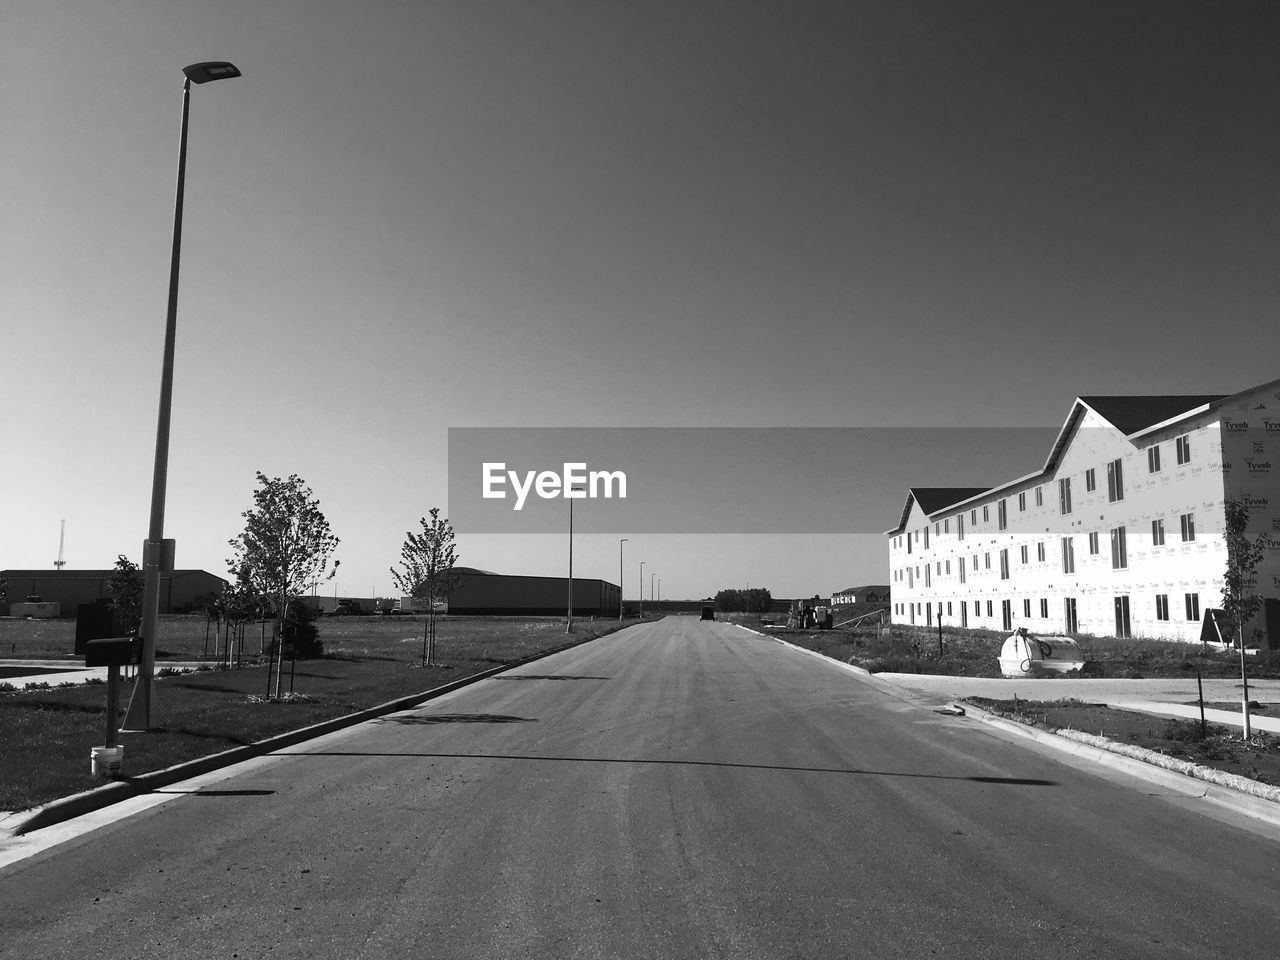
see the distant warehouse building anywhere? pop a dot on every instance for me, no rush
(480, 593)
(875, 593)
(180, 592)
(1120, 533)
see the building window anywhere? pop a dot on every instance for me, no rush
(989, 608)
(1002, 513)
(1093, 544)
(1153, 462)
(1119, 557)
(946, 525)
(973, 516)
(1024, 553)
(1026, 608)
(962, 571)
(1022, 501)
(908, 541)
(1157, 533)
(960, 526)
(1004, 564)
(939, 570)
(1068, 555)
(986, 513)
(1040, 551)
(1188, 527)
(1044, 609)
(911, 578)
(1039, 497)
(986, 559)
(948, 568)
(1162, 606)
(1193, 606)
(927, 582)
(1064, 496)
(1115, 481)
(925, 545)
(1184, 448)
(1090, 481)
(975, 561)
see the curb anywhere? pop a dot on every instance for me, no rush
(79, 804)
(1224, 793)
(1239, 793)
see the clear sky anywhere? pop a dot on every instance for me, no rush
(412, 216)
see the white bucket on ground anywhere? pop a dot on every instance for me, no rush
(106, 762)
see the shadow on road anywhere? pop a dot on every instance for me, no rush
(539, 676)
(1002, 781)
(455, 718)
(218, 793)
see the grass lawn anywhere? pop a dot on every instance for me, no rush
(975, 653)
(1220, 748)
(46, 734)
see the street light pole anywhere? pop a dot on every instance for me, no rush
(642, 589)
(570, 495)
(651, 576)
(156, 555)
(620, 543)
(569, 627)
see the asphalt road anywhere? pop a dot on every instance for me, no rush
(676, 790)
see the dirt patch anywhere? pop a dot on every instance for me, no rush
(1219, 747)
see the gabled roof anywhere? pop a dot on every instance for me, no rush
(933, 499)
(1132, 415)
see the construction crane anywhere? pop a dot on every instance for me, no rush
(62, 537)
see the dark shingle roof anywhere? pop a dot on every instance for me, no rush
(933, 499)
(1132, 414)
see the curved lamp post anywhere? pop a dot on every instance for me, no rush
(157, 553)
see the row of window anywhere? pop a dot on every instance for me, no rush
(1119, 552)
(1191, 607)
(1115, 493)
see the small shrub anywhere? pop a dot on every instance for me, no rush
(1183, 731)
(301, 635)
(6, 687)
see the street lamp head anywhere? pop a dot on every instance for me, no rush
(211, 70)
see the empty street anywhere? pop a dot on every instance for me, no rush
(677, 789)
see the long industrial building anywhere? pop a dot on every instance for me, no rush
(1120, 533)
(479, 592)
(61, 591)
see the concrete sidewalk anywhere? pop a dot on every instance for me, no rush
(1160, 689)
(54, 672)
(1163, 696)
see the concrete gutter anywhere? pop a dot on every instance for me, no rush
(78, 804)
(1257, 800)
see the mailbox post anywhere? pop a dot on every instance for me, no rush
(112, 653)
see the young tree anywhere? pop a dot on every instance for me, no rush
(427, 560)
(1239, 602)
(285, 547)
(125, 588)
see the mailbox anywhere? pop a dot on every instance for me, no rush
(113, 652)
